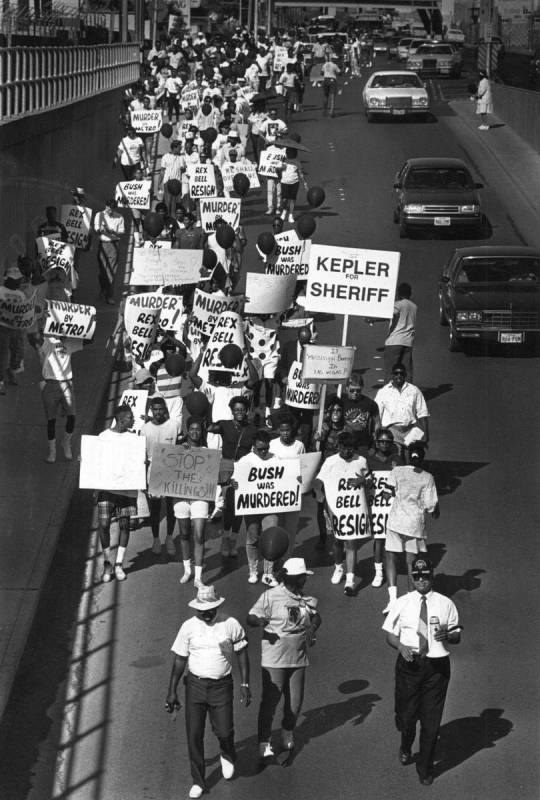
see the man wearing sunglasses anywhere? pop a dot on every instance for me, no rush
(403, 409)
(419, 626)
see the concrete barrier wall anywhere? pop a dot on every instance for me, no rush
(520, 109)
(43, 156)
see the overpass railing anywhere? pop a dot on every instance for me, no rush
(38, 79)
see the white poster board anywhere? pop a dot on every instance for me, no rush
(77, 220)
(133, 194)
(187, 472)
(113, 465)
(72, 320)
(268, 294)
(299, 393)
(17, 311)
(165, 267)
(269, 487)
(228, 329)
(146, 120)
(291, 256)
(270, 161)
(208, 307)
(136, 399)
(202, 180)
(243, 167)
(213, 207)
(327, 363)
(54, 253)
(382, 500)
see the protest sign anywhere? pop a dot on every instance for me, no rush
(159, 244)
(142, 315)
(309, 466)
(327, 363)
(133, 194)
(77, 220)
(17, 311)
(208, 307)
(165, 267)
(382, 499)
(146, 120)
(269, 487)
(182, 128)
(72, 320)
(187, 472)
(228, 329)
(270, 161)
(202, 180)
(291, 256)
(348, 506)
(281, 58)
(349, 280)
(299, 393)
(268, 294)
(136, 399)
(54, 253)
(189, 99)
(224, 207)
(243, 167)
(113, 464)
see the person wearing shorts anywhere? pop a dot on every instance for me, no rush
(290, 176)
(329, 73)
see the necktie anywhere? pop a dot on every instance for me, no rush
(423, 628)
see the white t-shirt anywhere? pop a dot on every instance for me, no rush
(130, 150)
(293, 450)
(55, 353)
(166, 433)
(403, 332)
(291, 171)
(209, 648)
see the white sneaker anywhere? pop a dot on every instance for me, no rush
(186, 576)
(227, 768)
(170, 546)
(265, 750)
(378, 579)
(2, 387)
(253, 576)
(198, 583)
(119, 573)
(291, 219)
(349, 587)
(269, 579)
(196, 791)
(156, 547)
(287, 739)
(337, 575)
(483, 127)
(107, 572)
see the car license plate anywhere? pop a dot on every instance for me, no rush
(442, 220)
(398, 111)
(511, 338)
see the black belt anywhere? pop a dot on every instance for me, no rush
(212, 680)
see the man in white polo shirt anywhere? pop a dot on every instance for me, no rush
(205, 645)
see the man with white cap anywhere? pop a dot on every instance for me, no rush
(290, 620)
(205, 645)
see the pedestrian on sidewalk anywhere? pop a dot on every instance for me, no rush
(109, 225)
(205, 644)
(484, 100)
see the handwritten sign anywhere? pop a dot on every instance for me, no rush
(347, 504)
(17, 311)
(300, 393)
(190, 473)
(327, 363)
(228, 329)
(136, 399)
(133, 194)
(114, 465)
(165, 267)
(350, 280)
(208, 307)
(146, 120)
(382, 499)
(269, 487)
(53, 253)
(281, 58)
(71, 320)
(78, 222)
(142, 315)
(291, 256)
(189, 99)
(224, 207)
(270, 161)
(268, 294)
(202, 180)
(243, 167)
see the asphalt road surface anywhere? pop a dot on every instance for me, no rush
(87, 715)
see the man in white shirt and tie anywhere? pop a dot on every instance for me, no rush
(420, 625)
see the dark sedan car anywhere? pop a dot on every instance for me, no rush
(491, 294)
(436, 192)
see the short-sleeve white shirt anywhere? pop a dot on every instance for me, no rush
(404, 617)
(403, 407)
(56, 355)
(209, 648)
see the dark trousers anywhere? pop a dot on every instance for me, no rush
(278, 682)
(230, 521)
(421, 687)
(107, 263)
(215, 698)
(397, 354)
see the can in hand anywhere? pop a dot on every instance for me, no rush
(434, 625)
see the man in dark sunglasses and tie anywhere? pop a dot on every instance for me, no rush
(419, 626)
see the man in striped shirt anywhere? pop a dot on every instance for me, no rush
(172, 167)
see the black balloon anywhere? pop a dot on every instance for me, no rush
(274, 543)
(209, 135)
(167, 130)
(315, 196)
(174, 187)
(197, 404)
(209, 259)
(231, 356)
(225, 236)
(266, 242)
(305, 225)
(241, 184)
(153, 224)
(175, 364)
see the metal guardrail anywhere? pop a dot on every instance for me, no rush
(38, 79)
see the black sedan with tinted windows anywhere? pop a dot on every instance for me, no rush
(436, 192)
(491, 294)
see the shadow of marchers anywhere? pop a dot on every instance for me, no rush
(449, 585)
(462, 738)
(431, 392)
(448, 475)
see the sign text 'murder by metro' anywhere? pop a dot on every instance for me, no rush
(355, 281)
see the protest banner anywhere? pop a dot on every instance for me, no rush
(136, 399)
(291, 256)
(309, 466)
(72, 320)
(17, 311)
(165, 267)
(54, 253)
(208, 307)
(190, 473)
(269, 487)
(113, 465)
(133, 194)
(327, 363)
(77, 220)
(270, 161)
(382, 499)
(228, 329)
(227, 208)
(348, 506)
(202, 180)
(142, 315)
(147, 120)
(300, 393)
(189, 99)
(352, 281)
(243, 167)
(281, 59)
(268, 294)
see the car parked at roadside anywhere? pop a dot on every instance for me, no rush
(491, 294)
(455, 35)
(436, 59)
(436, 193)
(396, 93)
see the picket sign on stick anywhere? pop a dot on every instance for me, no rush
(72, 320)
(113, 465)
(321, 414)
(343, 343)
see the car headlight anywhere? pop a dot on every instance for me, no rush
(470, 209)
(413, 208)
(469, 316)
(376, 101)
(445, 64)
(414, 64)
(420, 101)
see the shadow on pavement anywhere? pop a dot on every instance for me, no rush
(432, 392)
(449, 585)
(462, 738)
(449, 474)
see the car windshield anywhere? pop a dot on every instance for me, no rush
(404, 42)
(500, 269)
(438, 178)
(396, 82)
(438, 49)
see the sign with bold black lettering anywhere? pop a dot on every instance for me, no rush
(267, 486)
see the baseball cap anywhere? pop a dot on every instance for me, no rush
(141, 376)
(296, 566)
(422, 566)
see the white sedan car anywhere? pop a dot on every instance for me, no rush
(396, 94)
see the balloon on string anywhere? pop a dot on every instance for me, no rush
(174, 187)
(225, 236)
(167, 130)
(305, 226)
(315, 196)
(266, 242)
(273, 543)
(209, 258)
(241, 184)
(175, 364)
(153, 224)
(231, 356)
(209, 135)
(197, 404)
